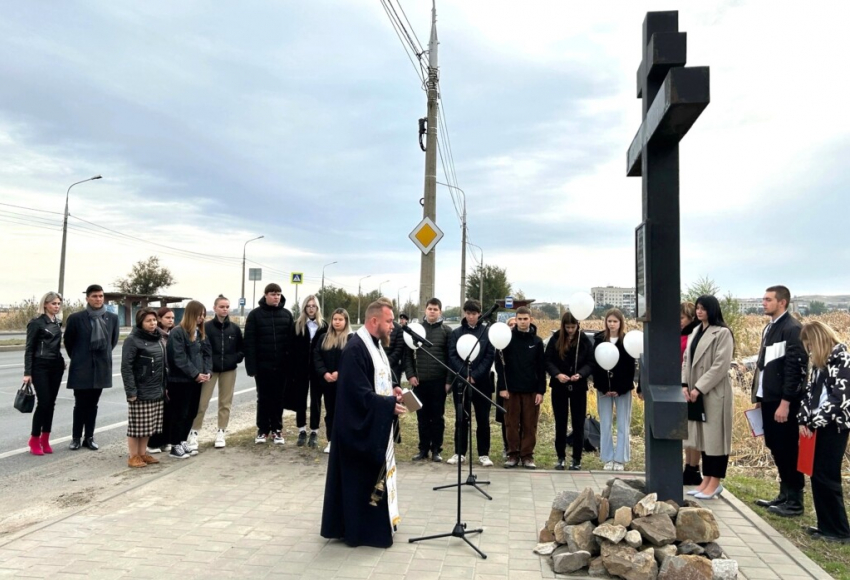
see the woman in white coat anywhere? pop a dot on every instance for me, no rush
(706, 385)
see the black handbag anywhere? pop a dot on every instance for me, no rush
(25, 398)
(696, 410)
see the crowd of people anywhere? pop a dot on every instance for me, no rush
(169, 372)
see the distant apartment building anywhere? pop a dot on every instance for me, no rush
(622, 298)
(750, 306)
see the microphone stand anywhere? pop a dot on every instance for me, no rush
(459, 530)
(461, 414)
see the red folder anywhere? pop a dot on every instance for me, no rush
(806, 454)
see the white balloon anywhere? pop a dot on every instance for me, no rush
(607, 355)
(418, 329)
(633, 343)
(466, 344)
(581, 305)
(499, 335)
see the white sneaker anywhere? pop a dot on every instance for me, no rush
(484, 460)
(454, 459)
(278, 438)
(618, 466)
(166, 448)
(154, 450)
(219, 439)
(260, 438)
(328, 447)
(609, 466)
(192, 441)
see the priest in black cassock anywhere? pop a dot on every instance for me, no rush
(362, 446)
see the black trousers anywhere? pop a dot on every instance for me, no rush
(85, 412)
(316, 392)
(431, 418)
(481, 407)
(827, 494)
(783, 439)
(270, 388)
(180, 396)
(715, 465)
(573, 404)
(46, 378)
(194, 396)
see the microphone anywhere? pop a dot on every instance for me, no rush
(489, 312)
(416, 336)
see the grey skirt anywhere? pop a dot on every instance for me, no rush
(144, 418)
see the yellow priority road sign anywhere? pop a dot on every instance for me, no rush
(297, 278)
(426, 235)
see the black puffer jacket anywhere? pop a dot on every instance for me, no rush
(268, 336)
(226, 342)
(44, 342)
(556, 365)
(422, 366)
(187, 358)
(522, 364)
(480, 367)
(622, 375)
(143, 366)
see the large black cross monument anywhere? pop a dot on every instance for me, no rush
(673, 97)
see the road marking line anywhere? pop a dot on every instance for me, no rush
(98, 430)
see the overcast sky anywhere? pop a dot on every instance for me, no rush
(213, 123)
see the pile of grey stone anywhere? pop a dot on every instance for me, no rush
(626, 533)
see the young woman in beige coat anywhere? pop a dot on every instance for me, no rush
(705, 375)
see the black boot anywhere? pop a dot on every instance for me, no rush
(778, 500)
(691, 475)
(792, 507)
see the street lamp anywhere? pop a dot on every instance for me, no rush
(409, 299)
(358, 296)
(462, 245)
(242, 298)
(480, 274)
(398, 298)
(323, 281)
(65, 235)
(379, 287)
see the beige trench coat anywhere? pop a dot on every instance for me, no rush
(709, 373)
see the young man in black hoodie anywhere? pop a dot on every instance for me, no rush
(521, 367)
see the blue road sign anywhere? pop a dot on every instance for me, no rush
(241, 302)
(509, 301)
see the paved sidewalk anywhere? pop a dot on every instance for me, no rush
(239, 514)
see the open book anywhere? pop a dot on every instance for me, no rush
(411, 401)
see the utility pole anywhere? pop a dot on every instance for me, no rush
(242, 296)
(427, 272)
(65, 236)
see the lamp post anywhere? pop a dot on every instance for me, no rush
(410, 298)
(242, 297)
(323, 282)
(358, 296)
(480, 274)
(398, 298)
(65, 235)
(379, 287)
(462, 243)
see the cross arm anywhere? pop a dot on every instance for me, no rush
(679, 102)
(665, 51)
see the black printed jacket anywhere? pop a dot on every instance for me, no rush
(835, 380)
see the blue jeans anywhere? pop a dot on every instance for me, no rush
(605, 406)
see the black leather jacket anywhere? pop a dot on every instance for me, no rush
(143, 366)
(44, 342)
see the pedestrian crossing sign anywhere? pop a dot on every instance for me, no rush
(297, 277)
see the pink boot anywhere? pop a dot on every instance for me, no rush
(45, 443)
(35, 446)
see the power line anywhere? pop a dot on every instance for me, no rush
(408, 47)
(32, 208)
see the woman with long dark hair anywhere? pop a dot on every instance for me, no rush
(825, 412)
(44, 367)
(307, 328)
(687, 323)
(614, 391)
(707, 387)
(158, 442)
(143, 369)
(189, 365)
(326, 353)
(569, 361)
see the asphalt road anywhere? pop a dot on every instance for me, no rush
(111, 420)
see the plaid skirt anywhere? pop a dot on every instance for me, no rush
(144, 418)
